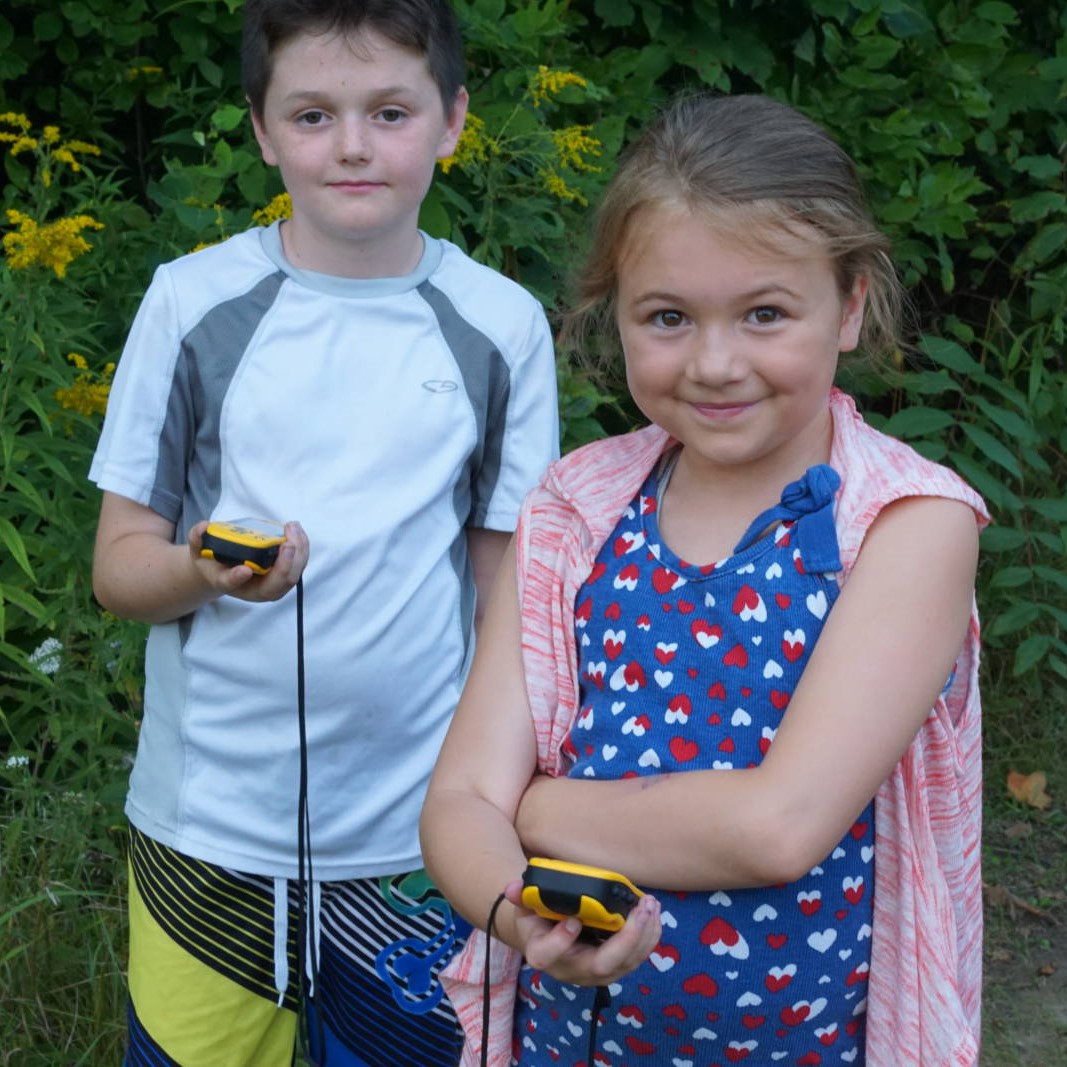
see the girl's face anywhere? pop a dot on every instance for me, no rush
(730, 347)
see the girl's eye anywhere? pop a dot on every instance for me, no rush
(764, 316)
(668, 319)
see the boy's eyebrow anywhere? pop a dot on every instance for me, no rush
(384, 93)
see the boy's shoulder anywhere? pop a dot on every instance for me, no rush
(216, 273)
(458, 270)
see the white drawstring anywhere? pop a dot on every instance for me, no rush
(281, 937)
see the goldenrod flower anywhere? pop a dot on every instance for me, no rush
(555, 184)
(472, 146)
(23, 144)
(142, 72)
(55, 244)
(51, 134)
(13, 118)
(573, 144)
(547, 83)
(88, 395)
(65, 153)
(281, 207)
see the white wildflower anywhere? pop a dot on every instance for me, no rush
(45, 657)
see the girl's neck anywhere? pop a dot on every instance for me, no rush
(705, 510)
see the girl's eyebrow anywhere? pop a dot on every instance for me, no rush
(759, 293)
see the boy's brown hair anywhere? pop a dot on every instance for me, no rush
(427, 27)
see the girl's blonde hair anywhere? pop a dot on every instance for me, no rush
(758, 171)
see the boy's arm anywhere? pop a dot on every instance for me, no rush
(486, 549)
(140, 573)
(883, 657)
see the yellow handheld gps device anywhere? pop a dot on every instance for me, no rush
(557, 890)
(253, 542)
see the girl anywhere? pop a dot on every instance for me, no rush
(716, 659)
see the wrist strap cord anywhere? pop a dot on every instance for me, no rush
(601, 998)
(312, 1036)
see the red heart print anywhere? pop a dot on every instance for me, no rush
(682, 750)
(736, 657)
(702, 985)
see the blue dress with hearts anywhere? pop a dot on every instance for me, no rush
(692, 668)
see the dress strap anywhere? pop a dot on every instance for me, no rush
(809, 501)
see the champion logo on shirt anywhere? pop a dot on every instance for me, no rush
(440, 385)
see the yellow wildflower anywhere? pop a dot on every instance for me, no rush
(281, 207)
(54, 244)
(472, 146)
(573, 144)
(555, 184)
(51, 134)
(85, 396)
(13, 118)
(89, 392)
(142, 72)
(23, 144)
(547, 83)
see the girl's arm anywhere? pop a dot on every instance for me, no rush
(884, 655)
(469, 843)
(140, 573)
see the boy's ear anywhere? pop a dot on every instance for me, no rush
(852, 315)
(265, 146)
(454, 125)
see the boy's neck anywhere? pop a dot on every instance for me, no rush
(367, 258)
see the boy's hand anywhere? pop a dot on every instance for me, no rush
(241, 581)
(554, 946)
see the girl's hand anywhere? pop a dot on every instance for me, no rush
(241, 581)
(554, 946)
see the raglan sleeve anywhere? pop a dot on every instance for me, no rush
(523, 425)
(141, 450)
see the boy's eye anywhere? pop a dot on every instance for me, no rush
(668, 318)
(312, 118)
(764, 316)
(391, 114)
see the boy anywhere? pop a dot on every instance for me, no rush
(397, 398)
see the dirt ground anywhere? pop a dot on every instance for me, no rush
(1025, 1004)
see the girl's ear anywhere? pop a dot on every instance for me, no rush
(852, 315)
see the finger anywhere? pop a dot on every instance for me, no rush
(548, 942)
(196, 536)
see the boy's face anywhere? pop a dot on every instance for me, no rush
(355, 125)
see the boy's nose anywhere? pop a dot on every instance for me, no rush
(353, 145)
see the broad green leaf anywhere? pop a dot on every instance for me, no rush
(918, 421)
(992, 449)
(1012, 577)
(949, 354)
(12, 541)
(1030, 653)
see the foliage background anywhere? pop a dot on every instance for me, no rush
(127, 113)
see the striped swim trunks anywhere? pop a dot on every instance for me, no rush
(214, 981)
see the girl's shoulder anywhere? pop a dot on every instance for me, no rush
(877, 470)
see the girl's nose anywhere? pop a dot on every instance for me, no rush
(715, 358)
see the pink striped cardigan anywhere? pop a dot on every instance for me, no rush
(925, 979)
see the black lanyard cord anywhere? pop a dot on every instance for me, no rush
(486, 990)
(313, 1046)
(601, 999)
